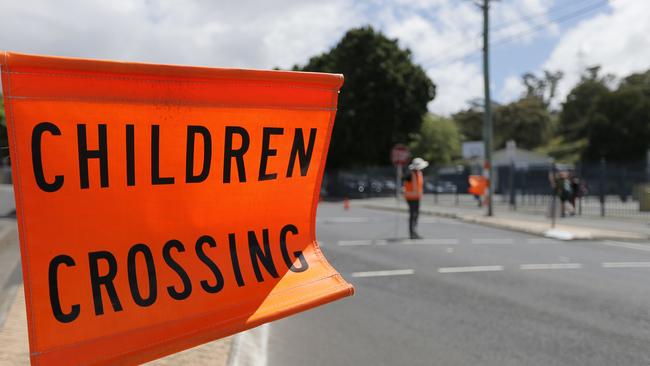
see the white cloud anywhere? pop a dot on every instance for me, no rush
(262, 34)
(512, 89)
(457, 83)
(254, 34)
(618, 41)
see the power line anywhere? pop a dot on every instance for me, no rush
(561, 19)
(541, 14)
(535, 29)
(510, 24)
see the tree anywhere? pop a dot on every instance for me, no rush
(438, 140)
(527, 121)
(470, 123)
(542, 88)
(382, 100)
(619, 123)
(574, 117)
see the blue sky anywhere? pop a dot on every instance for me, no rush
(264, 34)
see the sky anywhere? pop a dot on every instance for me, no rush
(444, 35)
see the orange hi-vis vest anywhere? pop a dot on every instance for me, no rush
(414, 187)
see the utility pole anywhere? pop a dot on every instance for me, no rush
(487, 111)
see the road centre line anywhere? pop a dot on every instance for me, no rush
(431, 242)
(492, 241)
(622, 244)
(542, 241)
(470, 269)
(550, 266)
(396, 272)
(626, 265)
(349, 243)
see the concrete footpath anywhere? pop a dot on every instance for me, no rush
(14, 344)
(568, 228)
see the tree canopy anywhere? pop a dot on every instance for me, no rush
(383, 99)
(527, 121)
(438, 140)
(619, 122)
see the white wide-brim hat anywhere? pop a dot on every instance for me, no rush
(418, 164)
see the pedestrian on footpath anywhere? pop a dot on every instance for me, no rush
(413, 191)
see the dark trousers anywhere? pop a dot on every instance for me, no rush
(414, 212)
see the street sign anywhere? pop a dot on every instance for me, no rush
(473, 150)
(160, 207)
(400, 154)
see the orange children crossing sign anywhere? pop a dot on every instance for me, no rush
(160, 207)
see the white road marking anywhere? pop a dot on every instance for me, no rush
(622, 244)
(430, 242)
(542, 241)
(626, 265)
(349, 243)
(345, 220)
(551, 266)
(470, 269)
(395, 272)
(250, 348)
(492, 241)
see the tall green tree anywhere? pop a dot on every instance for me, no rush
(383, 99)
(576, 110)
(619, 122)
(470, 123)
(527, 121)
(542, 87)
(438, 140)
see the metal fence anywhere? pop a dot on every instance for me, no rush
(609, 189)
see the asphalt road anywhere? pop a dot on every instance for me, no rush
(469, 295)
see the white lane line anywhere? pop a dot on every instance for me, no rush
(551, 266)
(622, 244)
(395, 272)
(430, 242)
(470, 269)
(492, 241)
(542, 241)
(349, 243)
(345, 220)
(626, 265)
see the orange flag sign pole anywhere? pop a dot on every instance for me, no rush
(160, 207)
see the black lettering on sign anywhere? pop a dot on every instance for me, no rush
(192, 131)
(84, 155)
(37, 157)
(96, 281)
(187, 284)
(55, 301)
(234, 260)
(257, 254)
(205, 239)
(267, 132)
(285, 252)
(130, 155)
(299, 151)
(238, 154)
(133, 275)
(155, 158)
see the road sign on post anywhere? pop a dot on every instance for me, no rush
(161, 207)
(400, 156)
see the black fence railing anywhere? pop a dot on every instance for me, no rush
(601, 189)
